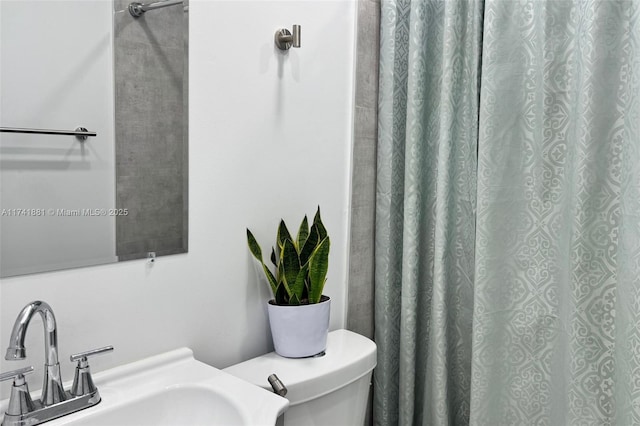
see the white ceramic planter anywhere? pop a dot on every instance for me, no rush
(300, 331)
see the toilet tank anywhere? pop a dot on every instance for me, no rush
(331, 390)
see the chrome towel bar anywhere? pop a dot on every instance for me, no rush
(138, 9)
(79, 132)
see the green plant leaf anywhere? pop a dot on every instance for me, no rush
(290, 263)
(317, 220)
(298, 287)
(281, 296)
(273, 257)
(309, 245)
(256, 251)
(272, 280)
(254, 247)
(282, 274)
(305, 291)
(303, 233)
(318, 267)
(294, 301)
(283, 234)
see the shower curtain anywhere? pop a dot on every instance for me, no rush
(508, 213)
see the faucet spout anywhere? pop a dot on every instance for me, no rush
(52, 390)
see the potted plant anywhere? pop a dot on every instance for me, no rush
(298, 312)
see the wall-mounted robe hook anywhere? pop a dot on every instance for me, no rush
(285, 39)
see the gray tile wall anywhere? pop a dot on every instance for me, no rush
(151, 131)
(363, 201)
(361, 263)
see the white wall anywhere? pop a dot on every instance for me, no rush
(270, 136)
(50, 78)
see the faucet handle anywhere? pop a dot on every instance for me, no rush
(20, 402)
(81, 357)
(82, 381)
(16, 374)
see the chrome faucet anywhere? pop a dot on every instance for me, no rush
(52, 390)
(55, 401)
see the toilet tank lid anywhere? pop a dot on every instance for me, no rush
(349, 356)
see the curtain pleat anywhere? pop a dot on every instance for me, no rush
(429, 91)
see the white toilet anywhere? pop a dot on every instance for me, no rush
(329, 390)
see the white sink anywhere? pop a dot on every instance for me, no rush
(182, 405)
(174, 389)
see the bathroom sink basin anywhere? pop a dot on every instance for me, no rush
(183, 405)
(174, 389)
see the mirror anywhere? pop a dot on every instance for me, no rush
(68, 201)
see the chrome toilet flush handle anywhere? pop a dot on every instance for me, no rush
(278, 387)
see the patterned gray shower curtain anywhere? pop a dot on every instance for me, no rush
(508, 213)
